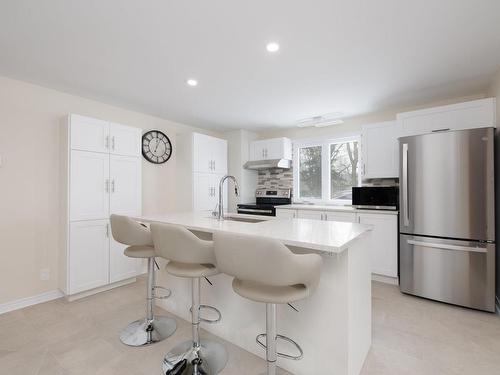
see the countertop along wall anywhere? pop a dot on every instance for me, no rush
(30, 118)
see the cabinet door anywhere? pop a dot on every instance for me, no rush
(219, 155)
(125, 185)
(228, 188)
(121, 267)
(89, 134)
(88, 255)
(258, 150)
(202, 159)
(473, 114)
(285, 213)
(384, 243)
(380, 150)
(124, 140)
(204, 192)
(310, 214)
(89, 185)
(347, 217)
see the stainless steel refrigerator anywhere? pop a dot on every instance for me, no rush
(447, 217)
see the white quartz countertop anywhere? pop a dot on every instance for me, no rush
(325, 207)
(324, 237)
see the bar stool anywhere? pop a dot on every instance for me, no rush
(190, 257)
(266, 271)
(153, 328)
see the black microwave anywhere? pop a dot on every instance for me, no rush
(376, 197)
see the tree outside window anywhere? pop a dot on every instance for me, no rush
(327, 170)
(344, 174)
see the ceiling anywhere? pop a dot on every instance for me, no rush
(349, 56)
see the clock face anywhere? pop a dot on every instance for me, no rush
(156, 147)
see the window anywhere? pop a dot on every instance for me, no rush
(326, 171)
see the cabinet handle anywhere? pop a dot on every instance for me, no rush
(106, 186)
(107, 230)
(113, 186)
(106, 142)
(214, 165)
(113, 142)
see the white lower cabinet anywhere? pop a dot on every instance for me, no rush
(384, 248)
(121, 267)
(347, 217)
(286, 214)
(89, 255)
(310, 214)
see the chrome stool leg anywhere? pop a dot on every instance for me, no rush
(196, 357)
(153, 328)
(271, 341)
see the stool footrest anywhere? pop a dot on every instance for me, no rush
(209, 321)
(167, 295)
(259, 338)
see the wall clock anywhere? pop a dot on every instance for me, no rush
(156, 147)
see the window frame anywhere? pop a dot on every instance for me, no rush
(325, 167)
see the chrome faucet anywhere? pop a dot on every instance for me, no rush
(220, 206)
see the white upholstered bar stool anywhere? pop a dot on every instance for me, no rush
(193, 258)
(152, 328)
(266, 271)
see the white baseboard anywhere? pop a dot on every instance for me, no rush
(385, 279)
(30, 301)
(100, 289)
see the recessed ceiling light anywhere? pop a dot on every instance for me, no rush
(192, 82)
(272, 47)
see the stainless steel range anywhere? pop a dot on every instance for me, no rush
(265, 202)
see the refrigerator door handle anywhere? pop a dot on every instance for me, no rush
(406, 216)
(448, 247)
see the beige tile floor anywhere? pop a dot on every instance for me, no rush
(410, 336)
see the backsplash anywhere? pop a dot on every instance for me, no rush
(275, 178)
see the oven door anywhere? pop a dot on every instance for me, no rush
(249, 209)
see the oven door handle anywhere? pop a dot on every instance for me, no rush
(241, 210)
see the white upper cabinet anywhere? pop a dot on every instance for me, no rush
(210, 154)
(274, 148)
(379, 145)
(473, 114)
(89, 134)
(89, 185)
(125, 185)
(124, 140)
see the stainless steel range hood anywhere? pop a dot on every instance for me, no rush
(267, 164)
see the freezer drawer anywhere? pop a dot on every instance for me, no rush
(457, 272)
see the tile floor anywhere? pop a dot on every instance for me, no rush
(410, 336)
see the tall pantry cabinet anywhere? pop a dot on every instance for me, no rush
(100, 175)
(202, 162)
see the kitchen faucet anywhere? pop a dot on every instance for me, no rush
(220, 211)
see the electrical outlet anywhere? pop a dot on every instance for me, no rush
(44, 274)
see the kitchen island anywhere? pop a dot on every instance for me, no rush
(333, 326)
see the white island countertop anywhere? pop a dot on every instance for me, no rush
(324, 237)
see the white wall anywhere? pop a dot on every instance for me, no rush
(238, 154)
(354, 124)
(29, 189)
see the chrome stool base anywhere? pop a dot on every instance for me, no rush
(185, 359)
(144, 332)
